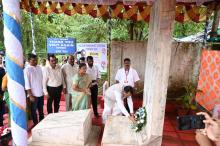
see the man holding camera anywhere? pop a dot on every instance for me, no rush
(211, 131)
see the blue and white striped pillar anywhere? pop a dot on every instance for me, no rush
(14, 67)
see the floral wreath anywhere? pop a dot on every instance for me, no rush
(140, 119)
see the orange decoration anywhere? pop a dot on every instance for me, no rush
(138, 12)
(209, 82)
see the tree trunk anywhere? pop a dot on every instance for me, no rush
(131, 30)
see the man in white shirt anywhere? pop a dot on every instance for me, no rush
(127, 75)
(53, 84)
(114, 104)
(33, 84)
(69, 70)
(94, 74)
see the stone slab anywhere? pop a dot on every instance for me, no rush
(65, 128)
(118, 132)
(91, 141)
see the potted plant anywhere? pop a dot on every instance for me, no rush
(187, 100)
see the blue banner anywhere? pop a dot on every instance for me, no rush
(61, 45)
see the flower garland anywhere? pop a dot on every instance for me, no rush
(140, 118)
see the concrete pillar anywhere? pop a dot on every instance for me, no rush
(157, 66)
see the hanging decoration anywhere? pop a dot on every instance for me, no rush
(138, 11)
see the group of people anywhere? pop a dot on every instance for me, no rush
(77, 81)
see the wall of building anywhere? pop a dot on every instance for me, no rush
(184, 68)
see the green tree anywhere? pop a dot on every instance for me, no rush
(187, 28)
(87, 29)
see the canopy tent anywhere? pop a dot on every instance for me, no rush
(137, 10)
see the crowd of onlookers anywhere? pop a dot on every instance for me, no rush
(47, 81)
(76, 79)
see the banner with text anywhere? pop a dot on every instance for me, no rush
(98, 51)
(61, 45)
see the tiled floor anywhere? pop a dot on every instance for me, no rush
(174, 137)
(171, 136)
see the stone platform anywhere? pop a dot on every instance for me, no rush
(118, 132)
(66, 129)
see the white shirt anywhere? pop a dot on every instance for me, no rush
(42, 67)
(114, 93)
(93, 72)
(127, 77)
(33, 77)
(68, 72)
(52, 77)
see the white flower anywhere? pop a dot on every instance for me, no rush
(142, 121)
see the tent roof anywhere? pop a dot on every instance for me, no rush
(137, 10)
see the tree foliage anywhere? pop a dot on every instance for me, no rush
(188, 28)
(87, 29)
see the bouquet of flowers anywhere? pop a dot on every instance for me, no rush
(140, 118)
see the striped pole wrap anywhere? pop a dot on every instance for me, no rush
(32, 30)
(14, 67)
(207, 23)
(109, 23)
(205, 32)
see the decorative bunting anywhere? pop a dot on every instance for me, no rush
(138, 12)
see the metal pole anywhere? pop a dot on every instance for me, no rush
(109, 23)
(32, 29)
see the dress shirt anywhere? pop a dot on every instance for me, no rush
(127, 77)
(33, 77)
(52, 77)
(68, 72)
(42, 67)
(93, 72)
(114, 93)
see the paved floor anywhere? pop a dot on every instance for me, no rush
(171, 136)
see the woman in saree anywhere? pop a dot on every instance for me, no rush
(81, 91)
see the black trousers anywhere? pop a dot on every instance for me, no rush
(94, 94)
(2, 111)
(38, 104)
(126, 105)
(54, 96)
